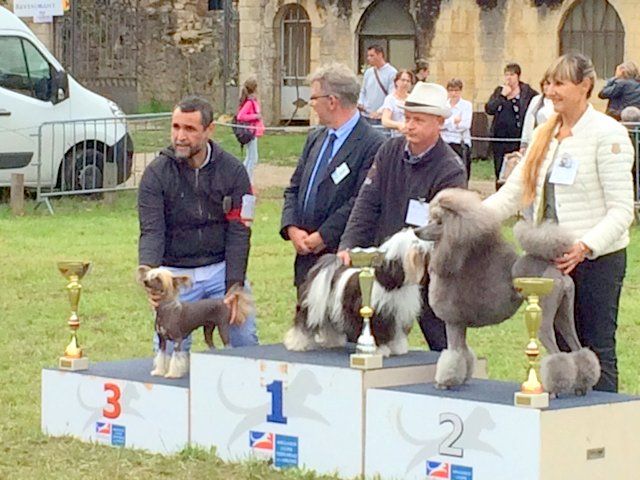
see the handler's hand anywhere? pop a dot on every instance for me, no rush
(231, 301)
(314, 242)
(570, 260)
(298, 237)
(345, 257)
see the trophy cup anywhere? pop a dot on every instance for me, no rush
(73, 358)
(366, 357)
(531, 393)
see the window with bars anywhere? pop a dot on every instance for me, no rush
(295, 44)
(593, 27)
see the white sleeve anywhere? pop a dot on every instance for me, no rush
(529, 121)
(466, 115)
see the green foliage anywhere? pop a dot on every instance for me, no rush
(154, 106)
(117, 323)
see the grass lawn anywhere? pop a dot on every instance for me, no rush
(117, 324)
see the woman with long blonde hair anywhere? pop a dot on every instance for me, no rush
(577, 173)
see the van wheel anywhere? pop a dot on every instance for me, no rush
(84, 170)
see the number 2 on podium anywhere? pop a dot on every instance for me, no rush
(276, 415)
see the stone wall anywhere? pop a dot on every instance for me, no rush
(472, 40)
(180, 51)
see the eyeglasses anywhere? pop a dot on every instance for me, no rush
(316, 97)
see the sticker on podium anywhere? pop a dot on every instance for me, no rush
(290, 408)
(118, 404)
(476, 433)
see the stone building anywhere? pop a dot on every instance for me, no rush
(281, 41)
(147, 52)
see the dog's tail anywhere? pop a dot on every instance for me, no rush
(547, 240)
(245, 304)
(318, 288)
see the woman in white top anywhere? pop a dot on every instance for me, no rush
(577, 173)
(456, 130)
(539, 111)
(392, 112)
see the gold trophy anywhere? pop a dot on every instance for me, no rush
(531, 393)
(366, 357)
(73, 358)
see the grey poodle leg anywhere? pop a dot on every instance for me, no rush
(453, 364)
(550, 305)
(565, 321)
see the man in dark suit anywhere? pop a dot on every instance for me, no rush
(331, 169)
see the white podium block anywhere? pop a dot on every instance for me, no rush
(117, 403)
(476, 433)
(302, 409)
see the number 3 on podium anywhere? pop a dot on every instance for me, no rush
(276, 415)
(113, 401)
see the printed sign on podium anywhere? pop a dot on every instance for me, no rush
(119, 404)
(302, 409)
(476, 433)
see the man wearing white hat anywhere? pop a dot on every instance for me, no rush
(406, 174)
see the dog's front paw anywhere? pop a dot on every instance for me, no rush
(297, 340)
(160, 364)
(178, 366)
(383, 350)
(451, 369)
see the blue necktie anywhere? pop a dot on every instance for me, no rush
(321, 169)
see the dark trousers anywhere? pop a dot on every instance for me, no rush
(433, 329)
(598, 286)
(500, 149)
(464, 152)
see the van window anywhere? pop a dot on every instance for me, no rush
(23, 69)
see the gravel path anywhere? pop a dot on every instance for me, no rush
(267, 176)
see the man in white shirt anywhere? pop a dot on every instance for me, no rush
(376, 85)
(456, 130)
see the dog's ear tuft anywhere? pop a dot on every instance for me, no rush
(141, 273)
(181, 280)
(390, 274)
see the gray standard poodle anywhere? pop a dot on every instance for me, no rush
(471, 273)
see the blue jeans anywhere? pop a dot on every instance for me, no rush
(214, 287)
(251, 158)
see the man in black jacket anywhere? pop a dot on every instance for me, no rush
(333, 165)
(195, 207)
(406, 174)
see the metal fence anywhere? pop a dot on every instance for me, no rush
(110, 154)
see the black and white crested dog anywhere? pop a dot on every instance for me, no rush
(328, 311)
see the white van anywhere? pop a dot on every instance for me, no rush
(35, 90)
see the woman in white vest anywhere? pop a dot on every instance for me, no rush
(577, 172)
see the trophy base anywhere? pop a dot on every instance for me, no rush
(365, 361)
(531, 400)
(73, 364)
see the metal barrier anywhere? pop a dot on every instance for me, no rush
(110, 154)
(97, 155)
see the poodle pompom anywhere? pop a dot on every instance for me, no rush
(547, 240)
(588, 370)
(451, 369)
(558, 373)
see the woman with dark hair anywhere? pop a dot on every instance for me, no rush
(249, 112)
(508, 104)
(577, 173)
(392, 111)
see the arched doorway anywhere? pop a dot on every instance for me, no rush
(593, 27)
(388, 23)
(293, 36)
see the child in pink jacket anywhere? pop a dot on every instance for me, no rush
(249, 111)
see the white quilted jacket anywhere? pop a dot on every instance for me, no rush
(598, 207)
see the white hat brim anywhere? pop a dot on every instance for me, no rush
(431, 110)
